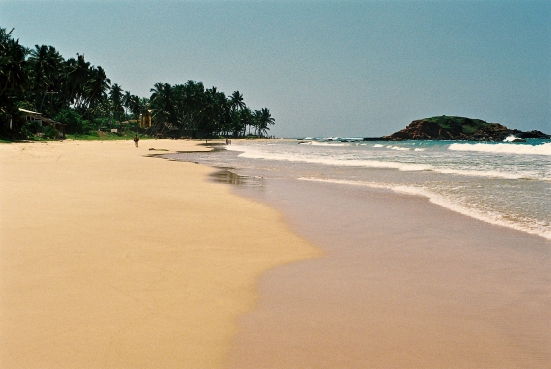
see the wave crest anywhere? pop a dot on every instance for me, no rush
(504, 148)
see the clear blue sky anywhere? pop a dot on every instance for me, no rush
(323, 68)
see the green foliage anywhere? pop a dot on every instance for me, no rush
(50, 132)
(74, 121)
(30, 128)
(80, 95)
(467, 125)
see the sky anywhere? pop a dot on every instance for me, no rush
(323, 67)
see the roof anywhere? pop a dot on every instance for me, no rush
(29, 112)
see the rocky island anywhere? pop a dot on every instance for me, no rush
(459, 128)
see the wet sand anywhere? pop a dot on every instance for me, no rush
(112, 259)
(404, 284)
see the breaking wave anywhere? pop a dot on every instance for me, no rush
(250, 153)
(504, 148)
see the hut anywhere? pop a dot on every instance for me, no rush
(33, 116)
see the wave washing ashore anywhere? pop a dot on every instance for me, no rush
(506, 184)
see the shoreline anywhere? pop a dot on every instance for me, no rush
(112, 259)
(396, 289)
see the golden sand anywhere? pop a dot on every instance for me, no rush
(112, 259)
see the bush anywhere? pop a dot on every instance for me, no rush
(50, 132)
(74, 121)
(30, 128)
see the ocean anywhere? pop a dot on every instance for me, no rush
(505, 184)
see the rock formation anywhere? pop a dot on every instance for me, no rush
(459, 128)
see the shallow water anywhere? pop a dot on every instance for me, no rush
(501, 183)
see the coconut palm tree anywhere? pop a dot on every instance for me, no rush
(96, 88)
(162, 102)
(126, 101)
(247, 120)
(45, 65)
(236, 101)
(264, 121)
(13, 73)
(135, 106)
(13, 80)
(193, 99)
(116, 100)
(76, 74)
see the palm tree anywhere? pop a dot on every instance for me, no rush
(236, 101)
(264, 121)
(96, 88)
(135, 106)
(192, 98)
(257, 115)
(45, 65)
(13, 74)
(116, 100)
(127, 101)
(76, 75)
(247, 119)
(13, 79)
(162, 102)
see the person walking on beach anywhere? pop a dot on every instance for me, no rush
(136, 139)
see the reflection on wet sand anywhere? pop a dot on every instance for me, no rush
(225, 175)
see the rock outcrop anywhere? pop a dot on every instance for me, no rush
(459, 128)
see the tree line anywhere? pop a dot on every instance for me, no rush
(80, 95)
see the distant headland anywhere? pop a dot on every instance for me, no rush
(459, 128)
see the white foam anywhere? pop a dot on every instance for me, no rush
(482, 215)
(510, 138)
(504, 148)
(483, 173)
(248, 152)
(349, 182)
(252, 153)
(400, 148)
(378, 145)
(317, 143)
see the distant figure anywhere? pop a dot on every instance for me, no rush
(136, 139)
(227, 141)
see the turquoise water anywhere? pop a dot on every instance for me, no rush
(507, 184)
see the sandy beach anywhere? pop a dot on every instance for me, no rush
(112, 259)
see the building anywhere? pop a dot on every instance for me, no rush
(32, 116)
(145, 119)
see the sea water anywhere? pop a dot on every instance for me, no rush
(506, 184)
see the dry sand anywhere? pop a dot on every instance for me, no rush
(111, 259)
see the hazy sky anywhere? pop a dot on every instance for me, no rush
(323, 68)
